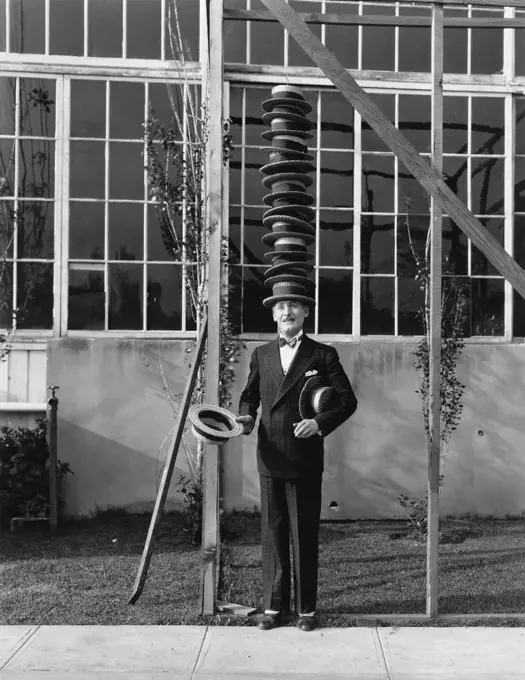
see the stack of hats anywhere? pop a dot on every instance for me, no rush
(290, 213)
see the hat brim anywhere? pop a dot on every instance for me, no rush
(269, 239)
(270, 180)
(308, 283)
(288, 267)
(295, 255)
(269, 104)
(294, 153)
(214, 424)
(279, 167)
(270, 301)
(295, 197)
(291, 219)
(326, 396)
(270, 134)
(298, 118)
(305, 211)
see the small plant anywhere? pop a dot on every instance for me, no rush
(192, 492)
(416, 510)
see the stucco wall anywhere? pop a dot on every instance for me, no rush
(114, 416)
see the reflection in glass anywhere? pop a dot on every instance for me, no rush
(105, 28)
(161, 99)
(35, 229)
(36, 168)
(7, 106)
(6, 296)
(34, 296)
(126, 170)
(236, 114)
(412, 233)
(410, 300)
(455, 171)
(519, 184)
(479, 263)
(126, 231)
(377, 244)
(377, 305)
(161, 243)
(518, 328)
(487, 186)
(164, 297)
(126, 110)
(378, 43)
(253, 188)
(86, 299)
(414, 120)
(235, 177)
(370, 140)
(267, 43)
(7, 221)
(412, 197)
(455, 124)
(488, 125)
(125, 297)
(37, 107)
(144, 29)
(519, 240)
(335, 301)
(487, 46)
(337, 122)
(88, 108)
(337, 179)
(27, 25)
(87, 170)
(378, 183)
(86, 230)
(255, 318)
(66, 27)
(254, 249)
(454, 249)
(253, 120)
(487, 307)
(7, 167)
(520, 125)
(336, 238)
(234, 235)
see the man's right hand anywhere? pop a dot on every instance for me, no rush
(247, 422)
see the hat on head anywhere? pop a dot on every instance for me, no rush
(214, 424)
(316, 397)
(289, 290)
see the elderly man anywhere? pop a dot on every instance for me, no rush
(290, 457)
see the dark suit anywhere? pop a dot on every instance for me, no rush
(291, 468)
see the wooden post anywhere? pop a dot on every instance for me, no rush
(213, 94)
(434, 414)
(424, 173)
(52, 445)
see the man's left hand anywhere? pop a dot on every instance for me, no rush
(306, 428)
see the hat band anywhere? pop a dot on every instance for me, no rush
(287, 91)
(289, 241)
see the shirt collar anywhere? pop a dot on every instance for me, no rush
(299, 336)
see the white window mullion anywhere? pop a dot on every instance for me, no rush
(163, 28)
(358, 170)
(509, 54)
(46, 31)
(396, 210)
(61, 227)
(124, 29)
(8, 26)
(15, 192)
(106, 210)
(145, 223)
(86, 24)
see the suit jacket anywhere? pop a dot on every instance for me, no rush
(279, 453)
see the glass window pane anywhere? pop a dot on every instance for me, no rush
(488, 124)
(7, 106)
(487, 307)
(378, 183)
(336, 238)
(36, 168)
(167, 103)
(253, 187)
(188, 29)
(253, 120)
(377, 305)
(487, 186)
(162, 245)
(105, 28)
(86, 230)
(66, 27)
(455, 171)
(35, 229)
(412, 197)
(519, 184)
(7, 221)
(236, 95)
(378, 44)
(455, 249)
(414, 120)
(87, 170)
(518, 327)
(455, 44)
(370, 140)
(126, 110)
(520, 125)
(35, 295)
(487, 46)
(144, 29)
(6, 296)
(256, 318)
(37, 107)
(165, 290)
(234, 235)
(520, 50)
(126, 231)
(254, 249)
(267, 43)
(377, 244)
(479, 263)
(88, 108)
(343, 40)
(414, 44)
(7, 167)
(125, 297)
(335, 301)
(27, 26)
(126, 170)
(455, 124)
(337, 122)
(86, 300)
(412, 232)
(519, 239)
(337, 179)
(410, 304)
(235, 177)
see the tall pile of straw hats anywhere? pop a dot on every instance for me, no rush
(290, 215)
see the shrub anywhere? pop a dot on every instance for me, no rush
(193, 500)
(24, 472)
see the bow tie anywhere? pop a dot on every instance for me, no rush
(283, 341)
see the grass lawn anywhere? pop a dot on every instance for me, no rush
(85, 574)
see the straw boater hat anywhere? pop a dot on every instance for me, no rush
(213, 424)
(316, 397)
(290, 215)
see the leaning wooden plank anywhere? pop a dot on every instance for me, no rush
(434, 383)
(169, 466)
(427, 176)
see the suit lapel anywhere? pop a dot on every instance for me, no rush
(273, 363)
(300, 363)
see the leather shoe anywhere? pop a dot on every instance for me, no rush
(269, 621)
(306, 623)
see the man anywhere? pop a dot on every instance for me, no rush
(290, 458)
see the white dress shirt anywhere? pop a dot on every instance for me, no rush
(287, 353)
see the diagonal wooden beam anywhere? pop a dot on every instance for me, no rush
(424, 173)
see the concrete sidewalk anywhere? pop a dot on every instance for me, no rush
(232, 653)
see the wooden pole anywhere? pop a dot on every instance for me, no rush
(169, 466)
(213, 94)
(52, 445)
(434, 414)
(424, 173)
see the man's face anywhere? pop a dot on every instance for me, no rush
(290, 316)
